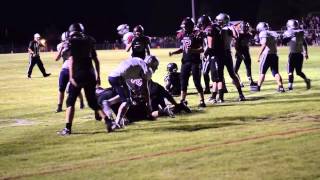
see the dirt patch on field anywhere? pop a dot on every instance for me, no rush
(16, 122)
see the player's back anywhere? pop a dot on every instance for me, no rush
(132, 68)
(269, 38)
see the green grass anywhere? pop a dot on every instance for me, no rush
(270, 136)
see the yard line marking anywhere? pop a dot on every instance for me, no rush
(152, 155)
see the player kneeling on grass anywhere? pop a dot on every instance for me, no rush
(172, 80)
(82, 75)
(268, 55)
(294, 36)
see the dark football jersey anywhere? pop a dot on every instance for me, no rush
(214, 31)
(191, 41)
(139, 46)
(243, 41)
(82, 49)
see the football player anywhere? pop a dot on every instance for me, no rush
(172, 80)
(214, 54)
(124, 32)
(82, 74)
(132, 68)
(298, 48)
(242, 51)
(203, 22)
(228, 32)
(64, 73)
(268, 55)
(191, 47)
(140, 44)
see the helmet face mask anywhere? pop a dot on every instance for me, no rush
(292, 24)
(204, 21)
(152, 62)
(138, 30)
(172, 67)
(262, 26)
(244, 27)
(222, 19)
(187, 24)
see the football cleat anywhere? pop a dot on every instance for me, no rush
(308, 83)
(202, 104)
(64, 132)
(281, 90)
(220, 100)
(252, 83)
(241, 98)
(168, 112)
(47, 74)
(255, 88)
(185, 108)
(212, 100)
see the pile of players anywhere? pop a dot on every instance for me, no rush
(205, 48)
(132, 94)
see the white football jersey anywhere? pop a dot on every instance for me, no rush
(127, 38)
(296, 40)
(269, 38)
(65, 64)
(132, 68)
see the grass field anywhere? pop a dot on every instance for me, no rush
(270, 136)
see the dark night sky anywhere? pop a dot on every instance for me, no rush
(159, 17)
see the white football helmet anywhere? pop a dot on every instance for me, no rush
(223, 19)
(262, 26)
(123, 29)
(292, 24)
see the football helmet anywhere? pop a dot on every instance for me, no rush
(82, 29)
(223, 19)
(187, 24)
(262, 26)
(204, 21)
(123, 29)
(172, 67)
(292, 24)
(75, 27)
(244, 26)
(152, 62)
(138, 30)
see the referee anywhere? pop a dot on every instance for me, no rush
(34, 56)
